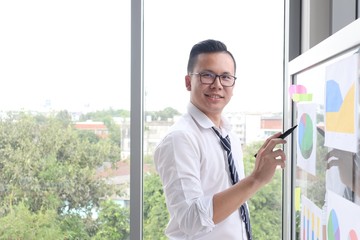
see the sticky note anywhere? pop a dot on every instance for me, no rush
(304, 97)
(296, 89)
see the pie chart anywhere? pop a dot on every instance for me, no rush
(333, 229)
(305, 135)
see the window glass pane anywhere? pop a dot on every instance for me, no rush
(327, 155)
(64, 107)
(253, 32)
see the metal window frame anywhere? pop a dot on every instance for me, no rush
(136, 120)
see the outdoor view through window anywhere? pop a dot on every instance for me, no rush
(65, 108)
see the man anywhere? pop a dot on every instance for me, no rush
(193, 164)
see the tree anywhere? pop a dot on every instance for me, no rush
(163, 114)
(265, 205)
(64, 117)
(104, 114)
(75, 227)
(156, 215)
(113, 222)
(20, 223)
(48, 166)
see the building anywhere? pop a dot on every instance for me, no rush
(99, 128)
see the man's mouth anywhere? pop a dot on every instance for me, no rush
(213, 96)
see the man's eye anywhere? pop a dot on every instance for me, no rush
(207, 75)
(226, 77)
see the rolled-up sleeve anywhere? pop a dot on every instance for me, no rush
(178, 162)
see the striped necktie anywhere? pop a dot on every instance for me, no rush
(244, 214)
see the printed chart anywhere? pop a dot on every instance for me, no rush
(343, 220)
(311, 226)
(340, 109)
(340, 104)
(306, 137)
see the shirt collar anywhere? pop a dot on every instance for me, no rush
(204, 121)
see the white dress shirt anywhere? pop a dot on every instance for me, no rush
(193, 167)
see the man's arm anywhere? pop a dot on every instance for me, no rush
(267, 160)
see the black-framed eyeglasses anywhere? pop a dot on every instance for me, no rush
(209, 78)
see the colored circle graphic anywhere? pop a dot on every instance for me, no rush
(352, 235)
(333, 229)
(305, 135)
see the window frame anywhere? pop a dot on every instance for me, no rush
(136, 120)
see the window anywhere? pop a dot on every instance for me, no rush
(326, 146)
(64, 63)
(170, 30)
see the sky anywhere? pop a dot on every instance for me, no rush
(75, 54)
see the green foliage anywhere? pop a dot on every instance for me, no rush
(74, 227)
(48, 189)
(265, 205)
(163, 114)
(105, 114)
(89, 136)
(114, 133)
(46, 164)
(113, 222)
(155, 212)
(46, 160)
(64, 117)
(21, 223)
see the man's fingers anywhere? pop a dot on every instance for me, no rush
(279, 154)
(269, 148)
(269, 139)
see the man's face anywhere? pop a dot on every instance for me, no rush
(211, 99)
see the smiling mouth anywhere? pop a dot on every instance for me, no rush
(213, 96)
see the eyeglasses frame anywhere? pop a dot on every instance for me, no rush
(216, 76)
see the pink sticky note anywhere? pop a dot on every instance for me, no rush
(299, 89)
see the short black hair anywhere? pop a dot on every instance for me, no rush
(207, 46)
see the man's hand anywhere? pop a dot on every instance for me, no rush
(268, 159)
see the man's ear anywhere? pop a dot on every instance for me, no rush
(188, 82)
